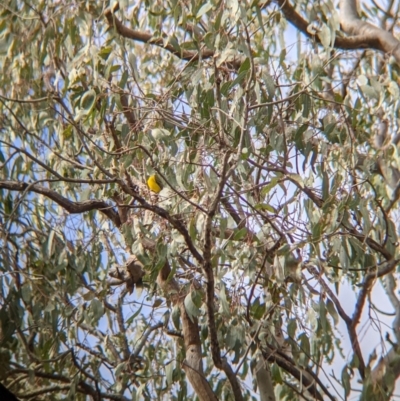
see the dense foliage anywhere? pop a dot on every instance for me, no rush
(277, 150)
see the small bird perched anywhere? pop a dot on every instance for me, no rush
(154, 183)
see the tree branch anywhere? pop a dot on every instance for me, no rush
(355, 344)
(175, 222)
(366, 35)
(145, 37)
(192, 365)
(271, 354)
(55, 173)
(382, 270)
(219, 362)
(377, 38)
(145, 336)
(69, 206)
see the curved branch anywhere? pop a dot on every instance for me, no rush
(378, 38)
(146, 37)
(310, 382)
(145, 336)
(69, 206)
(366, 35)
(381, 271)
(82, 387)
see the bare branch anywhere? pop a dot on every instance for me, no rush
(369, 278)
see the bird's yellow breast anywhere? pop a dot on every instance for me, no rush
(154, 184)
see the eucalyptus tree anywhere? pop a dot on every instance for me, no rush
(272, 127)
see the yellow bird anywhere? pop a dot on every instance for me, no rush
(154, 183)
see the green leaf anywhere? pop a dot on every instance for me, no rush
(245, 66)
(96, 309)
(169, 370)
(240, 234)
(258, 309)
(123, 80)
(306, 100)
(330, 306)
(224, 303)
(105, 52)
(204, 9)
(26, 293)
(346, 380)
(176, 317)
(270, 85)
(130, 319)
(369, 92)
(264, 206)
(8, 204)
(325, 35)
(120, 368)
(292, 327)
(276, 374)
(305, 349)
(50, 244)
(88, 100)
(191, 301)
(157, 303)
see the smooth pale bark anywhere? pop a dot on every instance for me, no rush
(193, 364)
(377, 37)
